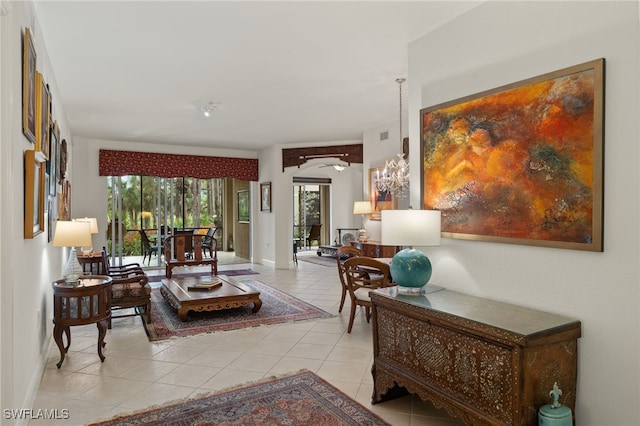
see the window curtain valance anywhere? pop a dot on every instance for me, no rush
(123, 163)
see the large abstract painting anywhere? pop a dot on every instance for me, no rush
(521, 163)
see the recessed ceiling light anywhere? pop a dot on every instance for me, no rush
(208, 108)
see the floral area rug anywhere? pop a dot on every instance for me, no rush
(277, 307)
(298, 399)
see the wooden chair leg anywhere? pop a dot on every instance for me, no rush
(352, 316)
(367, 311)
(344, 295)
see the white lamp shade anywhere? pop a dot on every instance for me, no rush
(92, 221)
(410, 227)
(72, 234)
(362, 207)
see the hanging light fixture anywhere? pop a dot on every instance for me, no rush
(395, 175)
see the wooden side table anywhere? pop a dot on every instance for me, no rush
(376, 249)
(86, 303)
(93, 264)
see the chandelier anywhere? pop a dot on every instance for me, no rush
(395, 175)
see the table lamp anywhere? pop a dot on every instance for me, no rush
(362, 208)
(87, 250)
(410, 268)
(72, 234)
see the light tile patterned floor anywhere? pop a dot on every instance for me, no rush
(138, 374)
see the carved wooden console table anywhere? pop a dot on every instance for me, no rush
(485, 362)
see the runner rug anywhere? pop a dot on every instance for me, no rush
(229, 273)
(298, 399)
(277, 307)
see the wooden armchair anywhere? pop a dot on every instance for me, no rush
(176, 253)
(129, 289)
(363, 275)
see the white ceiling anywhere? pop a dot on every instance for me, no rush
(280, 72)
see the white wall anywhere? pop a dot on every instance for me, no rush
(27, 266)
(503, 42)
(277, 246)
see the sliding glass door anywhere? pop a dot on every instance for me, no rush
(310, 213)
(155, 206)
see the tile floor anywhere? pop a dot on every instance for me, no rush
(137, 373)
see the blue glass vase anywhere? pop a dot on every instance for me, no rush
(411, 270)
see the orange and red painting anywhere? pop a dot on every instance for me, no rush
(522, 163)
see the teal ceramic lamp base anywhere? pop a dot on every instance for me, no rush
(411, 270)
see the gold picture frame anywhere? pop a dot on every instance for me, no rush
(29, 106)
(522, 163)
(34, 188)
(379, 201)
(43, 115)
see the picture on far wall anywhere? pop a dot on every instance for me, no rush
(380, 200)
(522, 163)
(265, 197)
(28, 87)
(243, 206)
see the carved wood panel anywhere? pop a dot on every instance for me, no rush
(438, 348)
(464, 367)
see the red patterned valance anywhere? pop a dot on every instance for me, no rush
(123, 163)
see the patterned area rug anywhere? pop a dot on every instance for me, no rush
(230, 273)
(277, 307)
(299, 399)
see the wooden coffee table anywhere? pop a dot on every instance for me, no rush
(231, 294)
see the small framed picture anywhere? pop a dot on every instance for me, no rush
(243, 206)
(43, 116)
(29, 106)
(34, 188)
(265, 197)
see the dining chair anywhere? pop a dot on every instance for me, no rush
(314, 234)
(210, 243)
(363, 275)
(342, 254)
(149, 247)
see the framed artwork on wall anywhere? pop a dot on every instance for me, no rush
(522, 163)
(243, 206)
(28, 87)
(62, 161)
(43, 116)
(265, 197)
(380, 200)
(64, 201)
(52, 162)
(34, 189)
